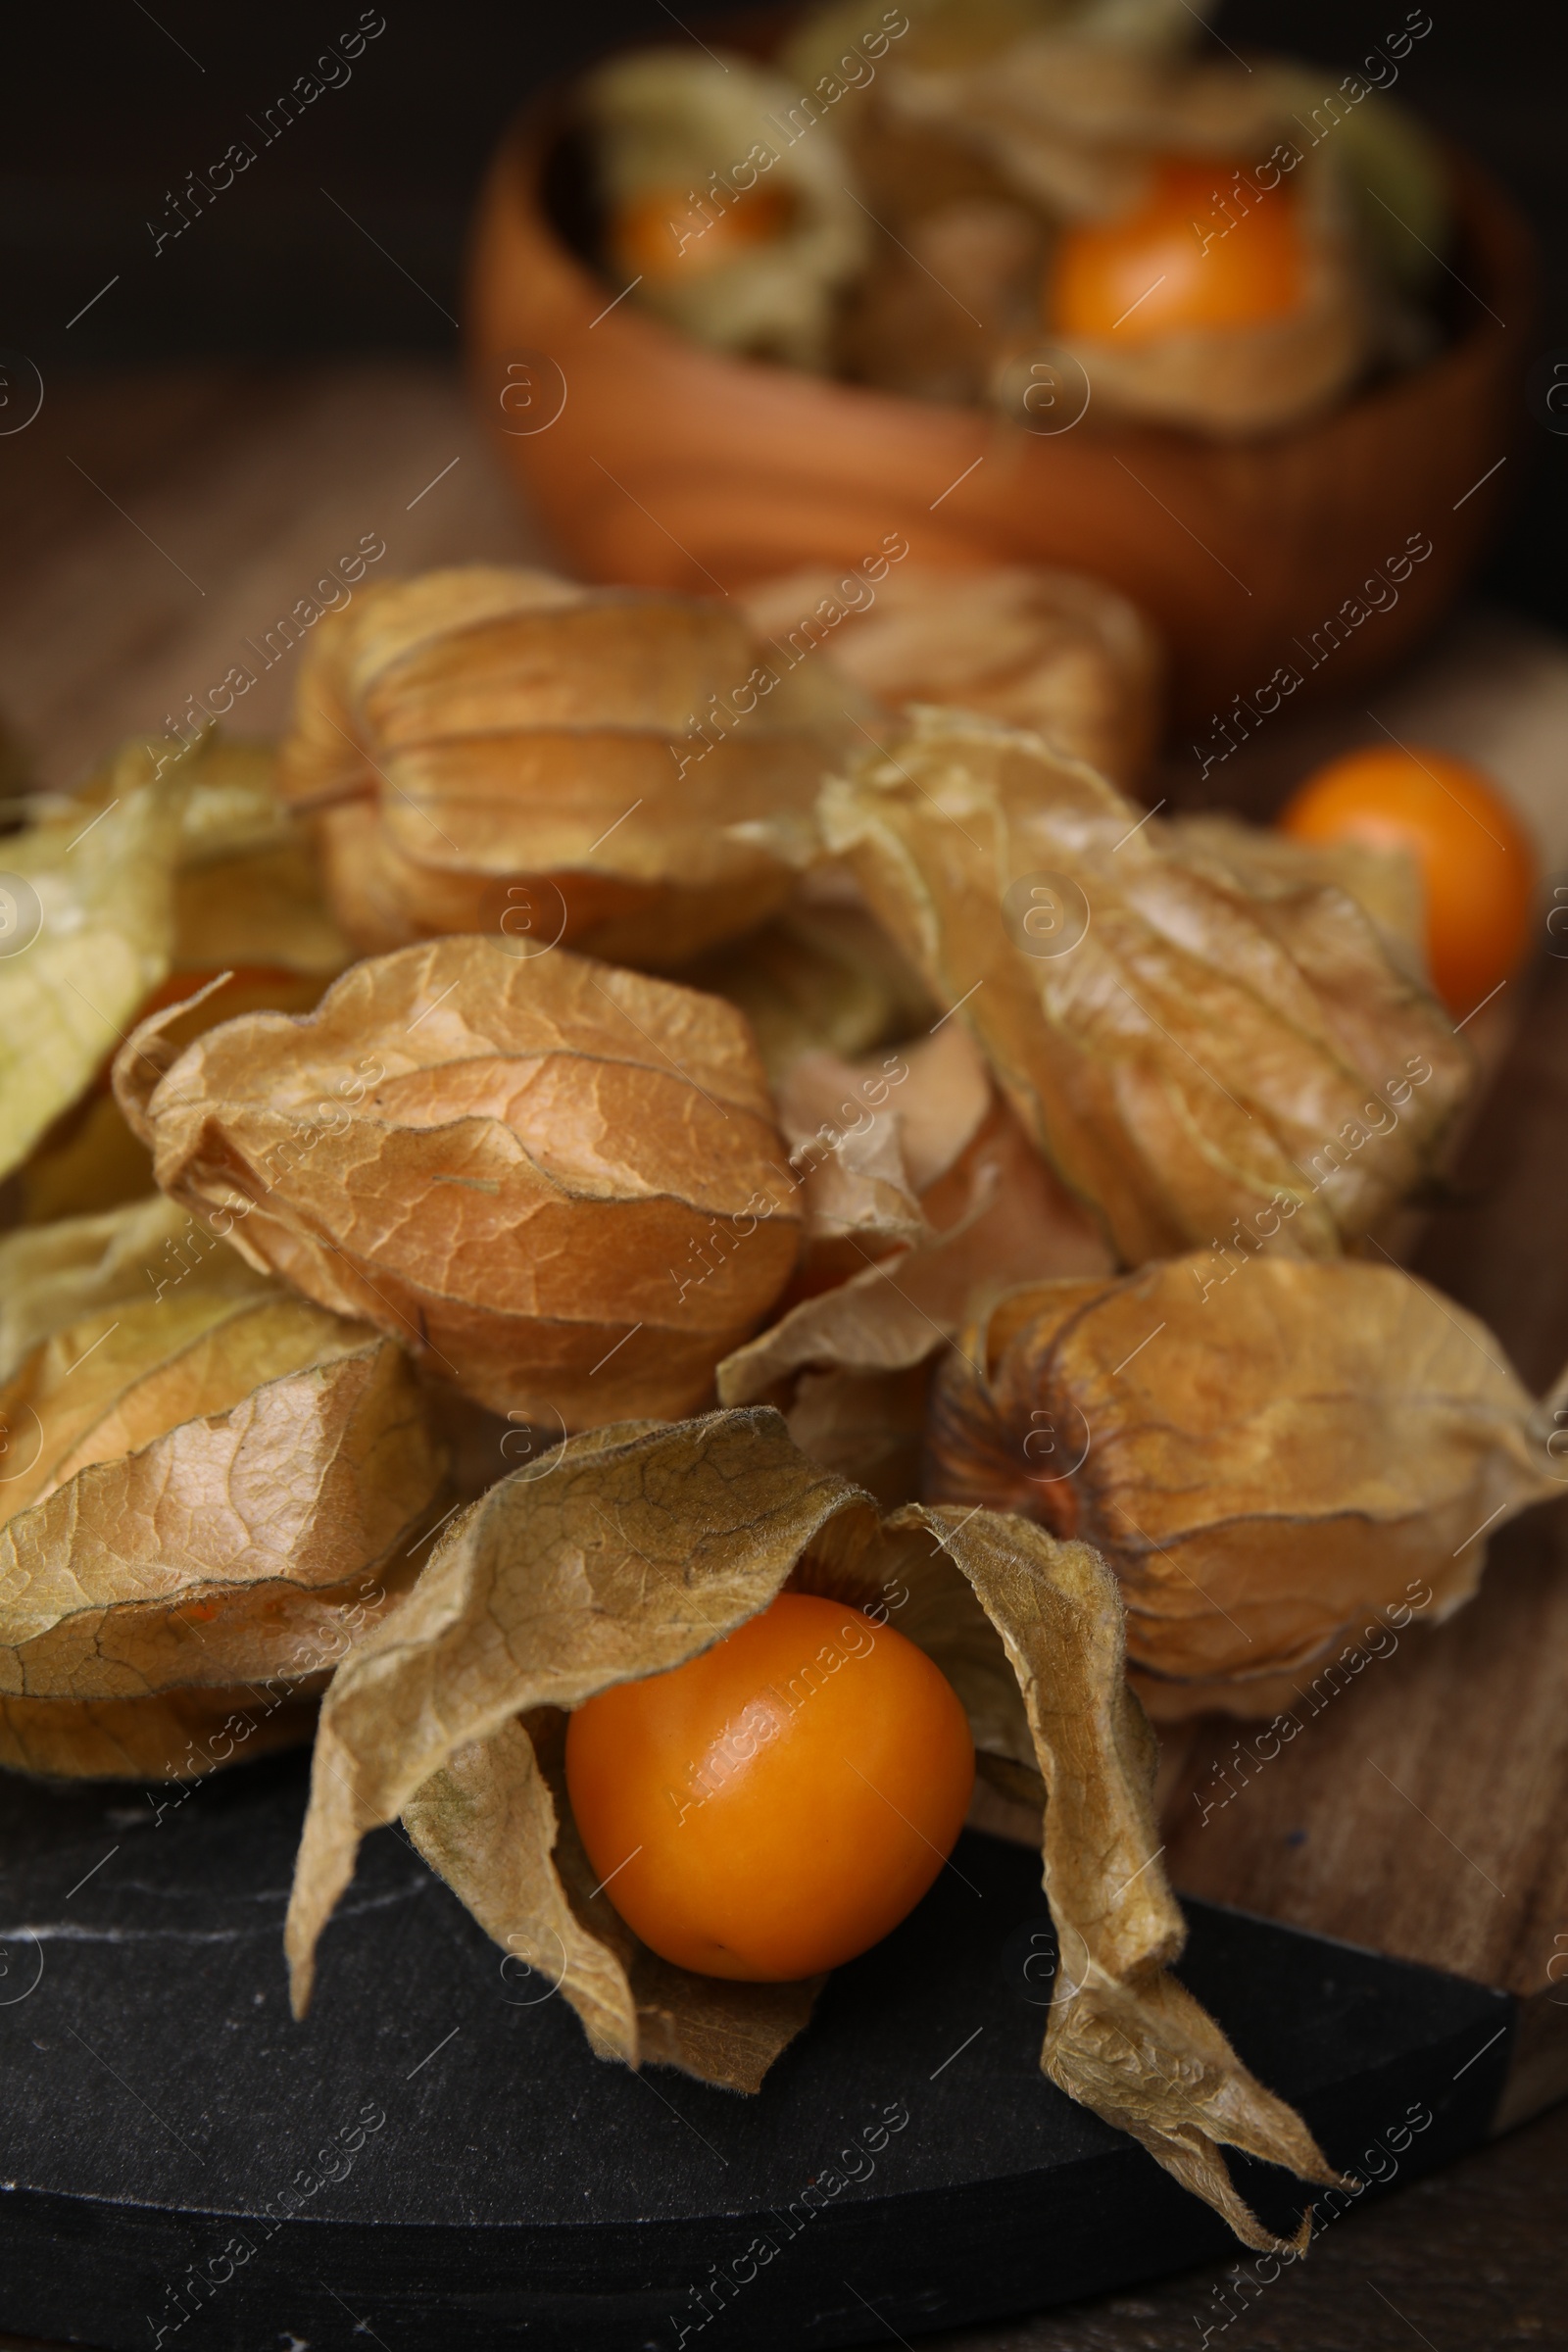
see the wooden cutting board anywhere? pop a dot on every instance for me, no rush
(157, 2101)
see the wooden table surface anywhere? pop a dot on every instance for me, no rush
(155, 526)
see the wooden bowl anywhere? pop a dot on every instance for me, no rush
(669, 464)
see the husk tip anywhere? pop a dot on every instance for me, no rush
(301, 1984)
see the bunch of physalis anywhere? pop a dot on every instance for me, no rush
(210, 1483)
(1219, 243)
(544, 1344)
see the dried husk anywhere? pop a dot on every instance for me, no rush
(1001, 1209)
(496, 1823)
(503, 751)
(870, 1142)
(822, 976)
(87, 1163)
(248, 889)
(1385, 883)
(866, 1424)
(906, 331)
(1269, 1452)
(666, 121)
(920, 1191)
(228, 881)
(50, 1275)
(1052, 651)
(1197, 1046)
(641, 1549)
(635, 1552)
(1123, 2037)
(513, 1166)
(938, 33)
(205, 1490)
(105, 892)
(1392, 164)
(919, 140)
(1071, 120)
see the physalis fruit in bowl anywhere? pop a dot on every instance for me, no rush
(1173, 261)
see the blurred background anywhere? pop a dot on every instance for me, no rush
(349, 240)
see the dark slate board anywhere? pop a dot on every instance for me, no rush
(162, 2111)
